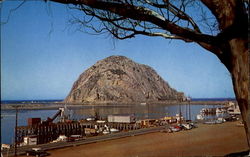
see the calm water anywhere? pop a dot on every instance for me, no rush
(140, 111)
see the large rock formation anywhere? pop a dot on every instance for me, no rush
(119, 79)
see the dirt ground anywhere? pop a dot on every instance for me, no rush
(206, 140)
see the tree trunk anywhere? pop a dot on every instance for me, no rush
(239, 69)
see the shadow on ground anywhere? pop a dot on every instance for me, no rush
(243, 154)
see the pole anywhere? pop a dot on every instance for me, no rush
(180, 113)
(186, 111)
(189, 110)
(15, 151)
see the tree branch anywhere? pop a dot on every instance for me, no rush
(177, 12)
(143, 14)
(112, 20)
(11, 11)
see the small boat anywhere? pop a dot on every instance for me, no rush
(199, 117)
(90, 119)
(114, 130)
(37, 149)
(105, 132)
(208, 111)
(5, 146)
(221, 110)
(100, 121)
(233, 111)
(60, 138)
(222, 119)
(218, 121)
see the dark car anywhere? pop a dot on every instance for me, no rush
(231, 118)
(37, 152)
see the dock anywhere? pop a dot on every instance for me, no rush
(48, 133)
(88, 140)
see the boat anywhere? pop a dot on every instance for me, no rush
(199, 117)
(233, 111)
(221, 110)
(100, 121)
(60, 138)
(218, 121)
(5, 146)
(112, 130)
(208, 111)
(90, 119)
(105, 132)
(222, 119)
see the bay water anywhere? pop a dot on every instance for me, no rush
(148, 111)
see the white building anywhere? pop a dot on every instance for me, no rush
(30, 140)
(121, 118)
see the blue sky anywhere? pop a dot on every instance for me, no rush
(42, 56)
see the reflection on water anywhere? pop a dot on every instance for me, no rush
(140, 112)
(8, 122)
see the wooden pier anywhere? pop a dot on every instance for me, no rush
(50, 132)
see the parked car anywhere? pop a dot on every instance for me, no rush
(193, 125)
(38, 152)
(187, 126)
(73, 138)
(231, 118)
(175, 128)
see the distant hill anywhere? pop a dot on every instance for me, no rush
(119, 79)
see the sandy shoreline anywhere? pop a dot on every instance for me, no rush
(206, 140)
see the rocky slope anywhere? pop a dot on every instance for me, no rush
(119, 79)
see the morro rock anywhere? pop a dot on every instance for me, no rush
(119, 79)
